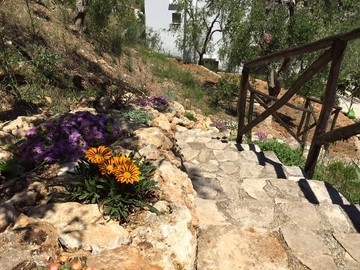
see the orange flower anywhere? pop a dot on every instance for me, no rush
(127, 173)
(120, 160)
(107, 167)
(98, 155)
(54, 266)
(76, 265)
(63, 258)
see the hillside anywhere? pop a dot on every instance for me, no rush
(118, 161)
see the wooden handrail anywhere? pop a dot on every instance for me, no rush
(276, 99)
(336, 47)
(306, 48)
(304, 77)
(341, 133)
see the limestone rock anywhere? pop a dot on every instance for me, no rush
(153, 135)
(5, 154)
(6, 138)
(120, 258)
(20, 125)
(30, 195)
(152, 153)
(167, 240)
(162, 122)
(8, 215)
(175, 185)
(351, 242)
(30, 241)
(92, 237)
(177, 109)
(66, 214)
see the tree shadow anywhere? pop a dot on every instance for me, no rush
(20, 108)
(265, 161)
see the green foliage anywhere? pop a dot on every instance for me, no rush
(285, 154)
(10, 168)
(113, 24)
(224, 94)
(116, 40)
(98, 14)
(46, 61)
(129, 65)
(119, 199)
(345, 177)
(138, 116)
(190, 116)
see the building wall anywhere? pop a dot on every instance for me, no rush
(158, 17)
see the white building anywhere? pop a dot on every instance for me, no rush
(160, 15)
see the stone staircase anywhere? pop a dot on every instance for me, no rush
(255, 213)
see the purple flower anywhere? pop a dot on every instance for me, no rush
(143, 102)
(38, 149)
(31, 132)
(261, 135)
(74, 136)
(221, 126)
(67, 137)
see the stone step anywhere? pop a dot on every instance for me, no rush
(255, 213)
(288, 248)
(208, 149)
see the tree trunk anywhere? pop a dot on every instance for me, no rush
(80, 16)
(275, 84)
(201, 59)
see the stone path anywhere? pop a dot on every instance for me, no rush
(255, 213)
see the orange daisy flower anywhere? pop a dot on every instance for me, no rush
(98, 155)
(107, 167)
(127, 173)
(120, 160)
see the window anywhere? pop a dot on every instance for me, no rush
(176, 18)
(173, 6)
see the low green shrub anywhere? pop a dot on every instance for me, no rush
(285, 154)
(344, 176)
(138, 116)
(190, 116)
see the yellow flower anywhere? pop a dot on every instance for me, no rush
(107, 167)
(127, 173)
(98, 155)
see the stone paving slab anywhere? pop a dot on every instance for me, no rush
(309, 248)
(351, 242)
(208, 213)
(231, 247)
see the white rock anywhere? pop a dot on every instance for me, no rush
(168, 241)
(95, 237)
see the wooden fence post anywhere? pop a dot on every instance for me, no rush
(338, 49)
(241, 105)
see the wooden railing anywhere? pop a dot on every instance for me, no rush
(335, 47)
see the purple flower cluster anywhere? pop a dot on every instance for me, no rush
(220, 125)
(261, 135)
(159, 103)
(67, 137)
